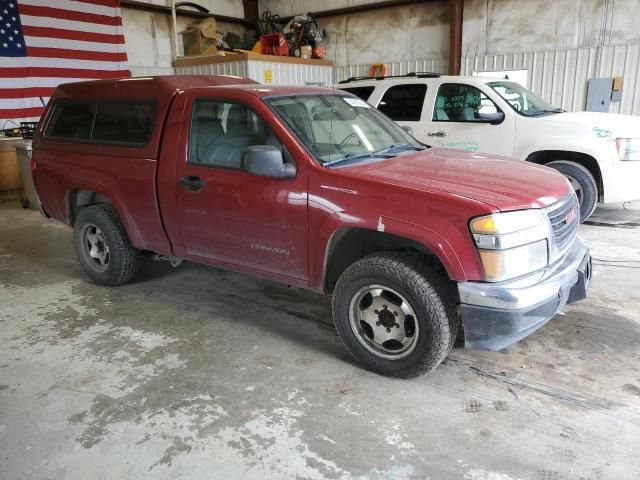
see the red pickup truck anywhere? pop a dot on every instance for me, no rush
(421, 247)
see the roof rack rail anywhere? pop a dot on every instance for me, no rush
(411, 74)
(424, 74)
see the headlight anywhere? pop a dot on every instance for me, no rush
(504, 264)
(628, 148)
(511, 244)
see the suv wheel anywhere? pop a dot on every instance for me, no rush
(394, 315)
(583, 184)
(103, 247)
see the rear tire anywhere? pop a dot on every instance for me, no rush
(103, 246)
(582, 182)
(387, 285)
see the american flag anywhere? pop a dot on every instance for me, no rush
(47, 42)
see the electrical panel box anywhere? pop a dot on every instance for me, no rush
(599, 94)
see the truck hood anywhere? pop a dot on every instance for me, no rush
(602, 125)
(500, 182)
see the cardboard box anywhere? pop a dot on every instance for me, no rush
(306, 51)
(200, 38)
(207, 27)
(617, 84)
(195, 44)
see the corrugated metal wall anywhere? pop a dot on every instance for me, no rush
(623, 61)
(238, 69)
(559, 76)
(284, 74)
(281, 73)
(141, 71)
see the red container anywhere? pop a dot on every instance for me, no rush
(274, 44)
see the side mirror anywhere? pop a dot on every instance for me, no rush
(266, 161)
(492, 118)
(407, 129)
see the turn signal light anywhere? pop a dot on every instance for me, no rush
(484, 225)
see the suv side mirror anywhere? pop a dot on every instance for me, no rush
(492, 118)
(266, 161)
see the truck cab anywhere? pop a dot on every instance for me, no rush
(598, 152)
(419, 247)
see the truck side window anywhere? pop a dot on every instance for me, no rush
(128, 123)
(122, 123)
(71, 121)
(403, 103)
(221, 130)
(362, 92)
(457, 102)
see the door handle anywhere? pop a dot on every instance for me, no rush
(193, 184)
(438, 133)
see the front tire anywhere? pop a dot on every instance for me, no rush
(583, 184)
(103, 246)
(395, 315)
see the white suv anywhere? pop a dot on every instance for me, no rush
(598, 152)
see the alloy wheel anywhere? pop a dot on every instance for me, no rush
(384, 322)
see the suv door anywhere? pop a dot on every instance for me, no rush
(404, 104)
(453, 122)
(229, 215)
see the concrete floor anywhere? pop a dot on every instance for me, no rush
(200, 373)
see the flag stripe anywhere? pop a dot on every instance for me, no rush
(37, 82)
(64, 63)
(62, 72)
(75, 6)
(76, 54)
(29, 102)
(35, 21)
(104, 3)
(48, 42)
(26, 92)
(57, 33)
(50, 12)
(21, 112)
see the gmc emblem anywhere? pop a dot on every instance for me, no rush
(571, 216)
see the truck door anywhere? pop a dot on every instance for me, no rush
(453, 121)
(230, 216)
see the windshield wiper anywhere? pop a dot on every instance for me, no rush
(543, 112)
(401, 147)
(387, 152)
(353, 156)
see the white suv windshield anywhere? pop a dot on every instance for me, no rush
(342, 129)
(523, 101)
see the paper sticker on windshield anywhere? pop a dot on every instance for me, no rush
(356, 102)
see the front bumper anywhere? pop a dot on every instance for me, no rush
(496, 315)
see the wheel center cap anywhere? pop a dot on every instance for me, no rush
(386, 318)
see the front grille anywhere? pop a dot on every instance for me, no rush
(563, 232)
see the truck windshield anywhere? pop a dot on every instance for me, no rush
(339, 129)
(523, 101)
